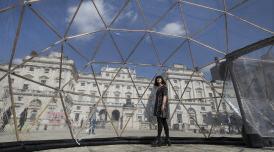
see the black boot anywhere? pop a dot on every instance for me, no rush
(157, 142)
(167, 141)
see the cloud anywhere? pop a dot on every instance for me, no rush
(87, 19)
(132, 15)
(174, 28)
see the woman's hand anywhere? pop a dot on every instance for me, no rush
(163, 108)
(164, 103)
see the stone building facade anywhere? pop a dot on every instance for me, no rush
(117, 100)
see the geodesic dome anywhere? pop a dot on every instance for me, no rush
(68, 67)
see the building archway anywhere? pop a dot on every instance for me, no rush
(103, 115)
(33, 115)
(34, 105)
(115, 115)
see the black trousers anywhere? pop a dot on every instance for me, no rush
(162, 122)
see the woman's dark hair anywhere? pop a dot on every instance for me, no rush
(156, 83)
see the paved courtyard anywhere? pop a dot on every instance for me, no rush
(173, 148)
(100, 133)
(103, 133)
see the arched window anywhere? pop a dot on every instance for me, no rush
(192, 116)
(43, 79)
(35, 103)
(28, 76)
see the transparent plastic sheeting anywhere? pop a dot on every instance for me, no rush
(85, 69)
(255, 79)
(232, 121)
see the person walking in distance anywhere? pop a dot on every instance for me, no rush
(5, 118)
(161, 111)
(92, 120)
(23, 118)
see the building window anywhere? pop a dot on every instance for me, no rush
(25, 86)
(31, 69)
(62, 80)
(128, 99)
(94, 84)
(179, 118)
(107, 74)
(210, 95)
(117, 96)
(80, 97)
(51, 107)
(199, 93)
(175, 81)
(140, 118)
(20, 98)
(43, 81)
(76, 118)
(82, 83)
(46, 70)
(187, 93)
(128, 87)
(212, 106)
(78, 107)
(191, 122)
(139, 88)
(204, 118)
(203, 108)
(117, 86)
(93, 94)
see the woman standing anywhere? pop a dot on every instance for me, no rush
(161, 110)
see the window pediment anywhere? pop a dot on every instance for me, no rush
(29, 76)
